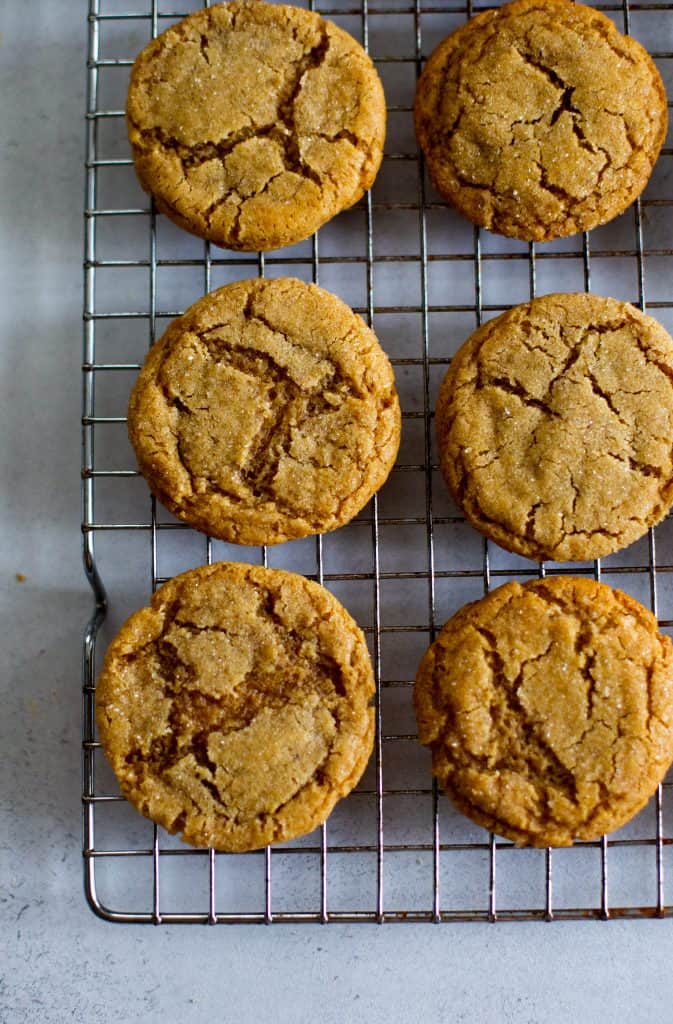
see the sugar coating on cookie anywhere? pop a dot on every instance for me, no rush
(267, 412)
(548, 708)
(540, 120)
(236, 708)
(252, 124)
(555, 427)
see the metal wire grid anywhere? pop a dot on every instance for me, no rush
(449, 888)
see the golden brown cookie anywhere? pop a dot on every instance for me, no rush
(236, 708)
(252, 124)
(267, 412)
(548, 708)
(538, 120)
(555, 427)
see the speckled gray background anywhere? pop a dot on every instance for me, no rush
(58, 962)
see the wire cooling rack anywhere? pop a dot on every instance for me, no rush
(395, 850)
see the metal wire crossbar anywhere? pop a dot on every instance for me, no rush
(395, 850)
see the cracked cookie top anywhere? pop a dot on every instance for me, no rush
(252, 124)
(539, 120)
(267, 412)
(555, 427)
(548, 708)
(236, 708)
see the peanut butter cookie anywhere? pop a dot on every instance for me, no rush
(549, 709)
(555, 427)
(252, 124)
(539, 120)
(267, 412)
(236, 708)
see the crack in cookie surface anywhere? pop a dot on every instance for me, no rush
(540, 121)
(254, 124)
(555, 427)
(268, 411)
(237, 708)
(547, 708)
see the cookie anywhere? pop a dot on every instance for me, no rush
(548, 708)
(267, 412)
(252, 124)
(538, 120)
(237, 708)
(555, 427)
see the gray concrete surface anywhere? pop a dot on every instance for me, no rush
(57, 961)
